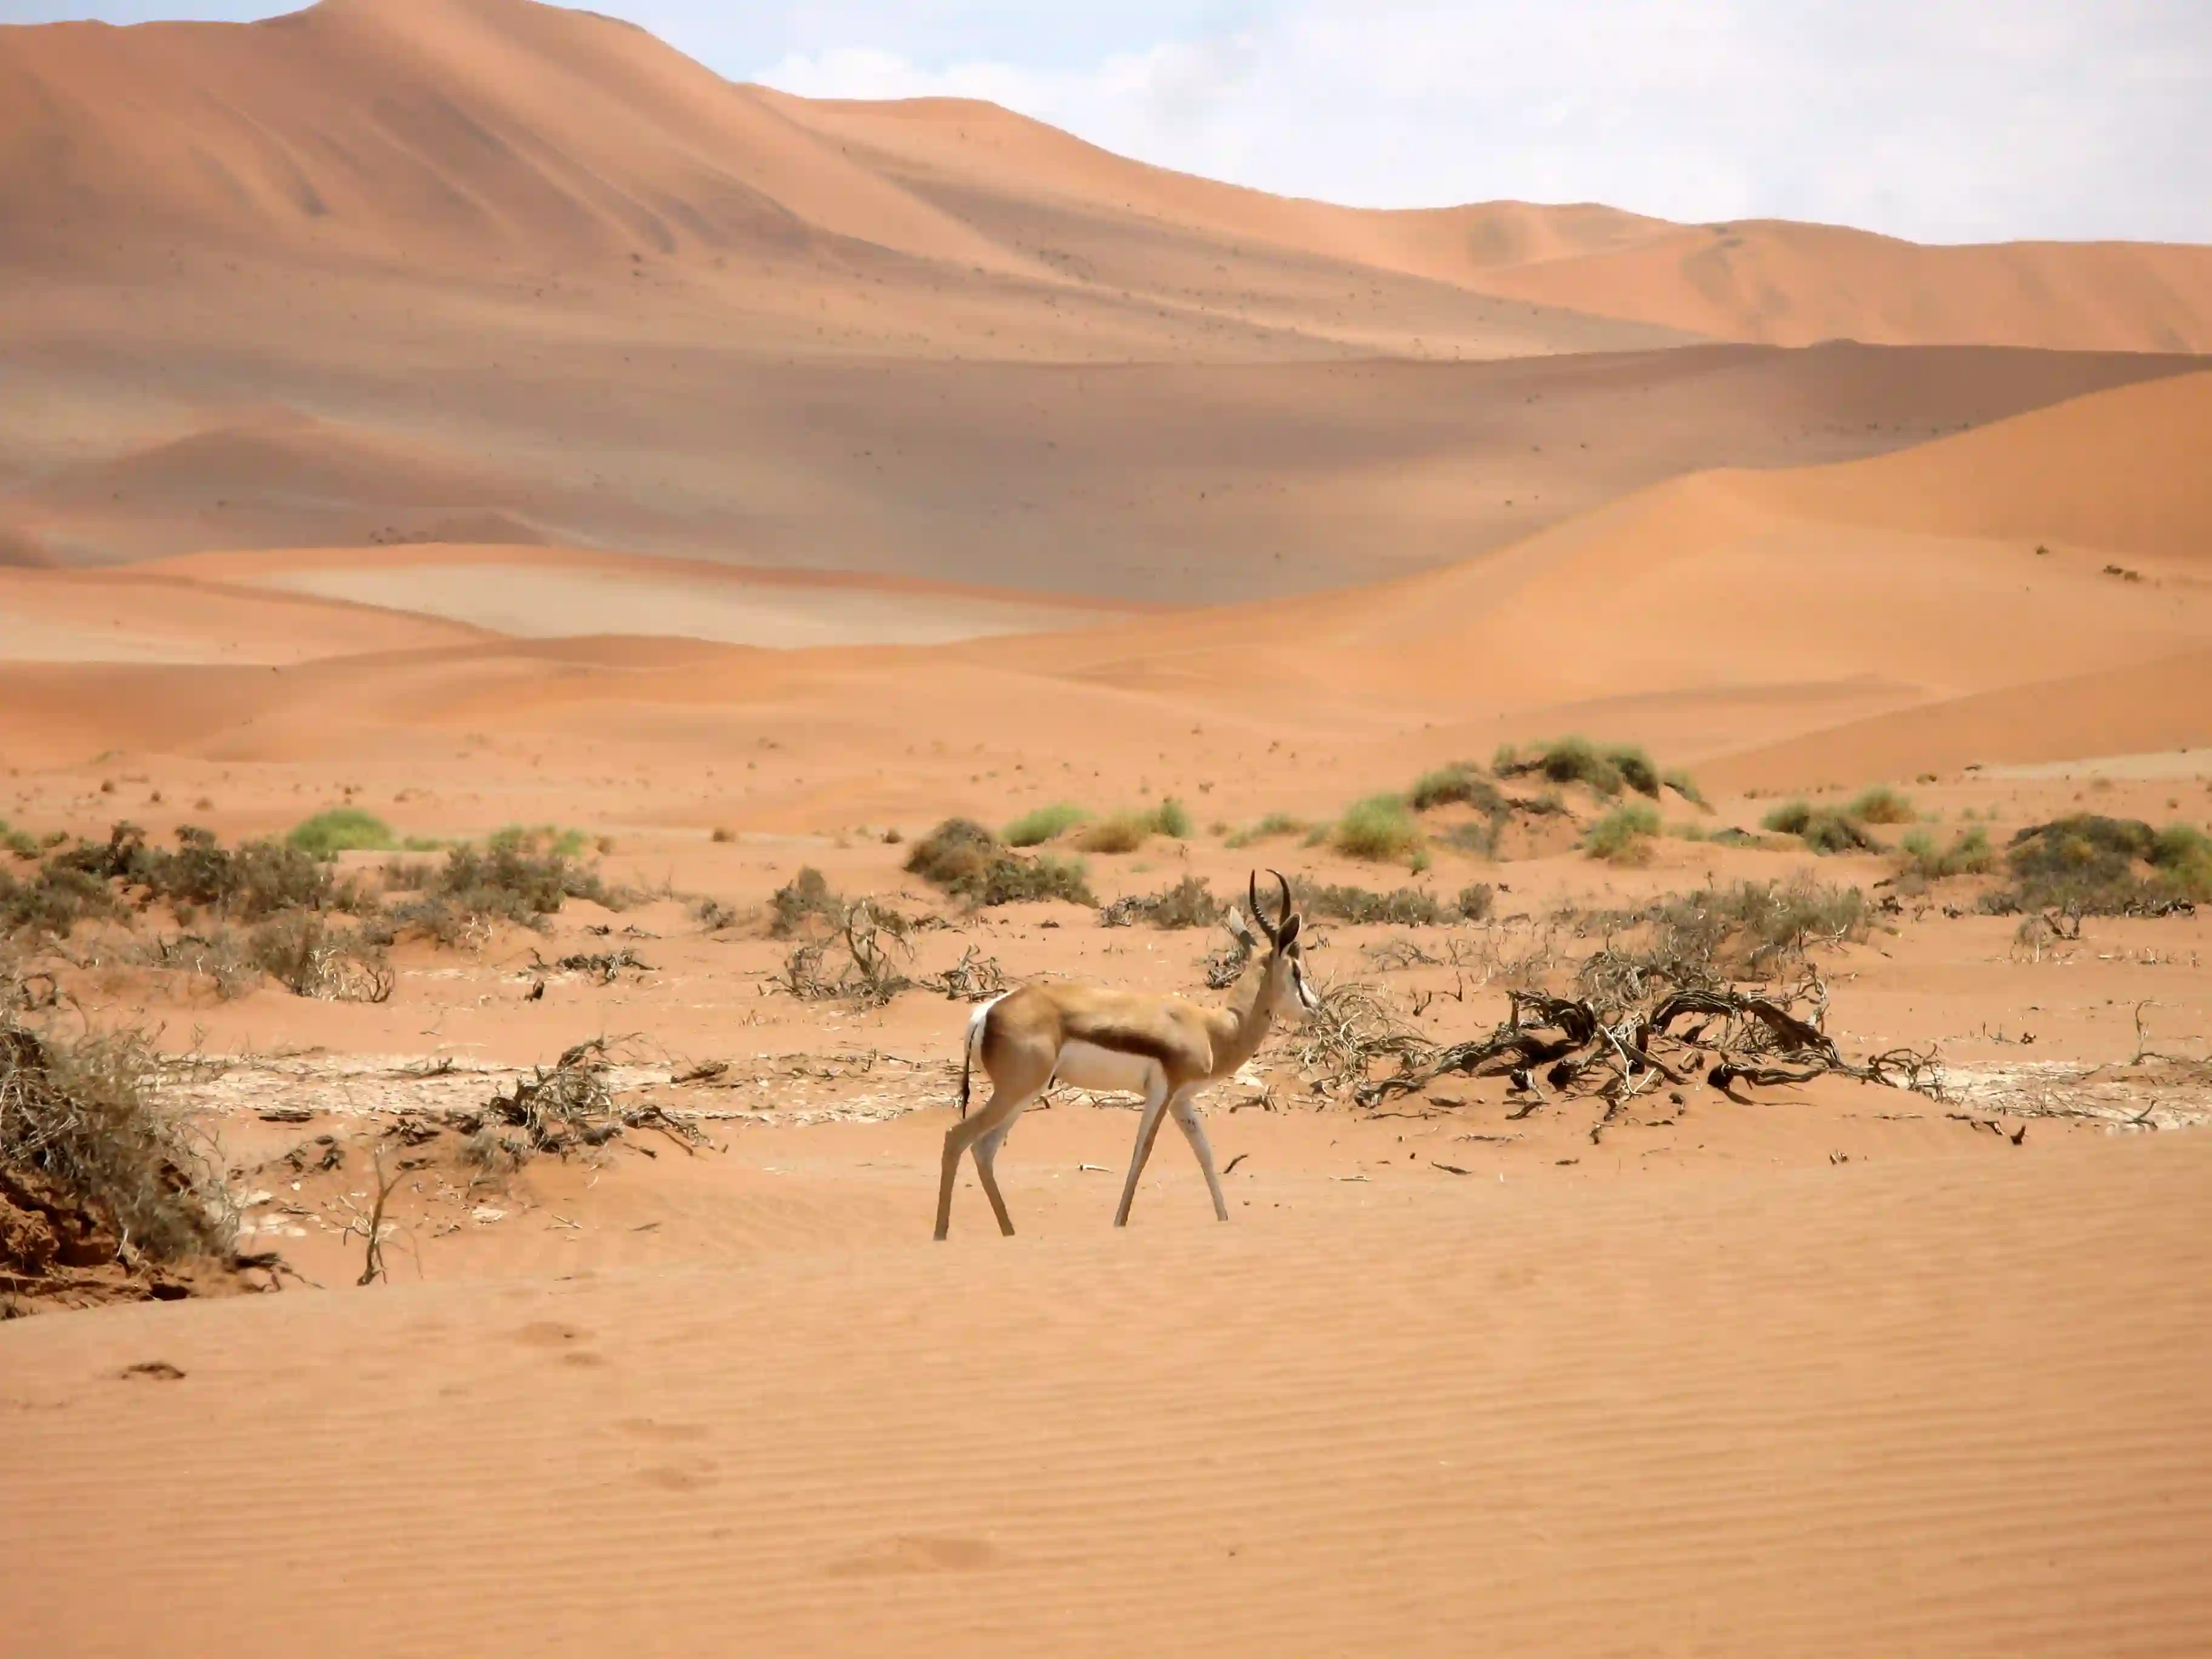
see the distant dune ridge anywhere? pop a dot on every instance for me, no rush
(494, 277)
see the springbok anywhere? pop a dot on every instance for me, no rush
(1162, 1048)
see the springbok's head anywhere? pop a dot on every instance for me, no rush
(1286, 991)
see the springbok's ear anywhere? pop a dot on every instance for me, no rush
(1289, 934)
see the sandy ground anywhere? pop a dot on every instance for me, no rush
(476, 413)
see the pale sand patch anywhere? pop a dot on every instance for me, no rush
(36, 639)
(541, 604)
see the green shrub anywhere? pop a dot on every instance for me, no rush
(1043, 824)
(1969, 854)
(520, 875)
(1275, 823)
(1404, 907)
(1563, 760)
(1686, 786)
(1379, 827)
(1171, 818)
(1824, 828)
(1623, 834)
(1635, 767)
(2094, 866)
(1476, 901)
(964, 858)
(1460, 782)
(341, 829)
(1881, 805)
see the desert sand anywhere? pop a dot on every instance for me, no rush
(478, 415)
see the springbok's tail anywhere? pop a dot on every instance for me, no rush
(974, 1046)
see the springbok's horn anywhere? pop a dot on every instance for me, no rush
(1259, 916)
(1284, 919)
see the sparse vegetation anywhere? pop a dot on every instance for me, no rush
(341, 829)
(964, 859)
(1403, 907)
(1623, 834)
(1459, 783)
(93, 1172)
(1881, 805)
(1969, 854)
(1043, 824)
(1126, 831)
(1825, 829)
(1686, 786)
(2088, 865)
(1379, 829)
(1190, 903)
(1273, 825)
(805, 897)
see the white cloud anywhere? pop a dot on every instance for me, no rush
(1943, 120)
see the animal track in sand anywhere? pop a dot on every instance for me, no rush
(913, 1552)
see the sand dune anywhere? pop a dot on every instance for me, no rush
(1173, 483)
(483, 269)
(1782, 1412)
(1768, 280)
(1722, 612)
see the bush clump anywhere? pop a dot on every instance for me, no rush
(1190, 903)
(1623, 834)
(1881, 805)
(1459, 783)
(1686, 786)
(805, 897)
(1379, 828)
(1748, 926)
(92, 1172)
(341, 829)
(964, 859)
(1404, 907)
(1825, 830)
(1126, 831)
(247, 882)
(2096, 866)
(1969, 854)
(1044, 823)
(1273, 825)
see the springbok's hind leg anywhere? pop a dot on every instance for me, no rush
(988, 1125)
(1193, 1128)
(986, 1154)
(1148, 1131)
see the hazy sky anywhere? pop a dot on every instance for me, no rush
(1943, 120)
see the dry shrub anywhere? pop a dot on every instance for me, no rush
(92, 1172)
(310, 957)
(2088, 865)
(1402, 907)
(1825, 829)
(1748, 929)
(1190, 903)
(804, 899)
(1380, 829)
(855, 964)
(566, 1109)
(1881, 805)
(966, 859)
(1969, 854)
(1273, 825)
(520, 875)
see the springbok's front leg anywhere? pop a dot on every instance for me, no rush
(1148, 1130)
(1193, 1128)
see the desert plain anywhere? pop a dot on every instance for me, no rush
(476, 421)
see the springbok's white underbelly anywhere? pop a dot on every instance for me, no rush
(1086, 1066)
